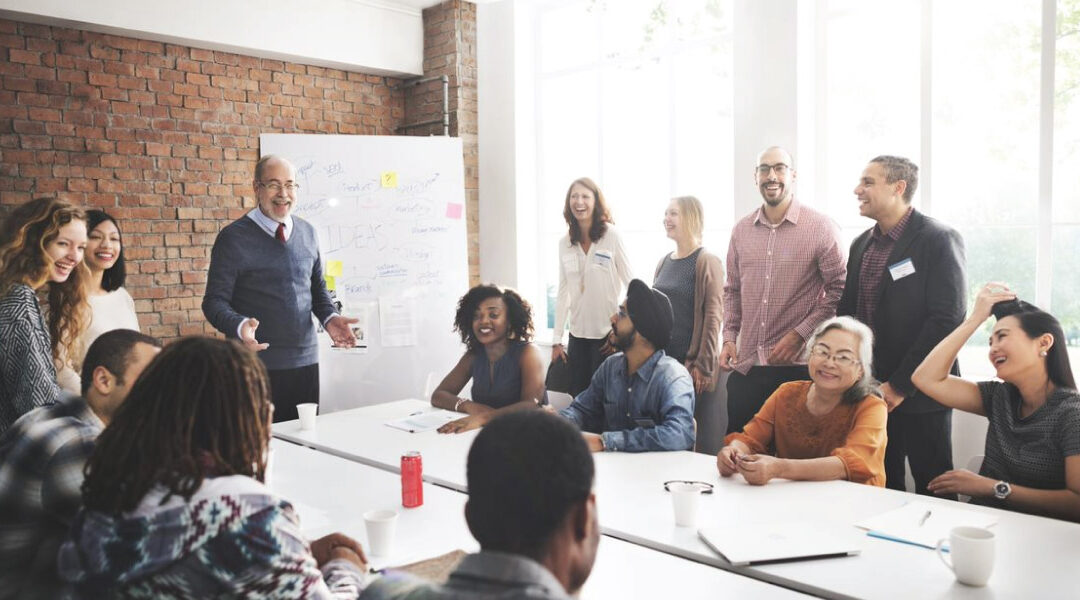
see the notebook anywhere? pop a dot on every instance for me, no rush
(744, 544)
(924, 523)
(424, 421)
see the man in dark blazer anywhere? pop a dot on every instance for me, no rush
(905, 279)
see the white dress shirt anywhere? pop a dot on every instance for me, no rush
(590, 286)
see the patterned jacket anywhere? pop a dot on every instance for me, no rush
(233, 539)
(27, 374)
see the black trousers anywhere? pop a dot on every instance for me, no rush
(746, 394)
(925, 441)
(290, 387)
(584, 358)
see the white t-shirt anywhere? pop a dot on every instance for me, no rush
(114, 310)
(590, 285)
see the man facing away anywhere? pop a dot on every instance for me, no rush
(265, 271)
(785, 276)
(41, 463)
(640, 399)
(906, 281)
(531, 507)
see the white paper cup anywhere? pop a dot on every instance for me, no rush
(307, 413)
(381, 525)
(972, 554)
(685, 499)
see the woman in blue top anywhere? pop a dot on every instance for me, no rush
(507, 372)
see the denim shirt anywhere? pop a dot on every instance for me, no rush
(660, 390)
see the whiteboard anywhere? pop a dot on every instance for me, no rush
(392, 211)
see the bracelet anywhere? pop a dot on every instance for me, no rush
(457, 405)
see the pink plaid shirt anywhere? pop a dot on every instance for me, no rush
(780, 278)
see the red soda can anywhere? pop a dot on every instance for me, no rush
(412, 483)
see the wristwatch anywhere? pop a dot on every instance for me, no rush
(1002, 489)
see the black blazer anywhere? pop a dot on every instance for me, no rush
(915, 312)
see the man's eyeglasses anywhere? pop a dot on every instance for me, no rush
(276, 187)
(780, 168)
(843, 359)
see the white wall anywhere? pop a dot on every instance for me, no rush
(356, 35)
(507, 134)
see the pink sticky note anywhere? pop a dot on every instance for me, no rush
(453, 210)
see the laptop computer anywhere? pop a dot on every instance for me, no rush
(744, 544)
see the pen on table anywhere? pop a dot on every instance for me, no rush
(925, 516)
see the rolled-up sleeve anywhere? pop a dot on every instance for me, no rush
(863, 452)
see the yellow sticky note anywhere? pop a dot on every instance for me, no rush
(333, 268)
(389, 179)
(330, 284)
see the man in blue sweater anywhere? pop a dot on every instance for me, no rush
(266, 274)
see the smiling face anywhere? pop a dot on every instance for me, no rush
(775, 176)
(490, 321)
(66, 250)
(275, 191)
(834, 361)
(1013, 353)
(877, 197)
(673, 222)
(103, 246)
(582, 203)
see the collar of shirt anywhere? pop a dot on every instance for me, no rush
(792, 215)
(508, 569)
(645, 371)
(269, 225)
(897, 230)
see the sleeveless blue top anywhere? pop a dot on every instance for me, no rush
(498, 385)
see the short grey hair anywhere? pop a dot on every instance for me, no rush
(897, 168)
(866, 385)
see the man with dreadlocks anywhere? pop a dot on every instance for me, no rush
(42, 457)
(174, 501)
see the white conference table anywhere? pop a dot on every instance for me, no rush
(331, 494)
(1035, 555)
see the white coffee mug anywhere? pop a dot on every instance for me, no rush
(307, 414)
(685, 498)
(381, 525)
(972, 554)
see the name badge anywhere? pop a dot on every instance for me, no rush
(601, 260)
(902, 269)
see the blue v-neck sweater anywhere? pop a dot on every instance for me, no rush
(254, 275)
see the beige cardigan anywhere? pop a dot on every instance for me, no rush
(704, 350)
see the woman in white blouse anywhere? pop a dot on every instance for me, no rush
(593, 275)
(111, 306)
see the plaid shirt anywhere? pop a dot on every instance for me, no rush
(41, 472)
(487, 575)
(780, 278)
(873, 267)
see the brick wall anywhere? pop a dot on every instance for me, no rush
(450, 49)
(163, 137)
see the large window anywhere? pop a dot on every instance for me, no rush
(983, 94)
(968, 104)
(637, 95)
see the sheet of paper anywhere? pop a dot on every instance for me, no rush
(907, 523)
(334, 268)
(397, 319)
(331, 283)
(453, 210)
(426, 421)
(388, 179)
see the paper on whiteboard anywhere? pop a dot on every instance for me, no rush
(397, 318)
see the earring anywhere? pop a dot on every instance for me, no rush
(1043, 354)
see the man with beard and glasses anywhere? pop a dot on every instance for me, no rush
(785, 276)
(640, 399)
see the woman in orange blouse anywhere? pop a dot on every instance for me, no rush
(832, 427)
